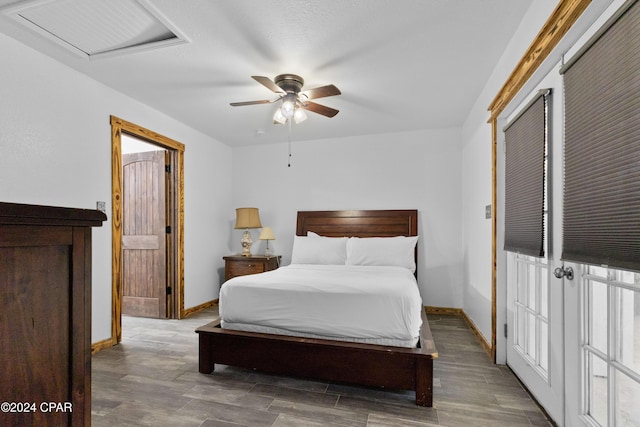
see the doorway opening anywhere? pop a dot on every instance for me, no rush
(146, 233)
(147, 224)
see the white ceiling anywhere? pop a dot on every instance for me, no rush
(400, 64)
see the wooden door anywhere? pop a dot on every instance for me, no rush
(144, 284)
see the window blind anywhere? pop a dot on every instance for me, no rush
(602, 147)
(525, 140)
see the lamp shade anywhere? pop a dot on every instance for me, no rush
(299, 115)
(278, 118)
(247, 218)
(267, 234)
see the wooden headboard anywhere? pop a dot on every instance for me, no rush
(373, 223)
(370, 223)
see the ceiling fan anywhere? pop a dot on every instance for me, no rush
(294, 101)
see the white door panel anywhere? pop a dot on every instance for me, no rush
(534, 340)
(603, 376)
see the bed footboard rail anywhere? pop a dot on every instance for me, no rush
(363, 364)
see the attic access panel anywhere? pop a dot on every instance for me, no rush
(97, 28)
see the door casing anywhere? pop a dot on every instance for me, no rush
(175, 248)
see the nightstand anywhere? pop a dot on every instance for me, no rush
(238, 265)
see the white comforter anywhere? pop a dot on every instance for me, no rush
(354, 303)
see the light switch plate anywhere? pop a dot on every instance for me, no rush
(487, 212)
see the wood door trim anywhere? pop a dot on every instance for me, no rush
(118, 126)
(558, 24)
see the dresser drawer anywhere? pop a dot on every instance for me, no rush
(240, 266)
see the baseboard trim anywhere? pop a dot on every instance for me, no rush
(200, 307)
(101, 345)
(446, 311)
(483, 342)
(449, 311)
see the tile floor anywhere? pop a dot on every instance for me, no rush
(152, 379)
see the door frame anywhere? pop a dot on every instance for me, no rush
(175, 265)
(554, 29)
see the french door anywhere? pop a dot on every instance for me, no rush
(573, 331)
(544, 306)
(537, 304)
(534, 340)
(574, 341)
(604, 359)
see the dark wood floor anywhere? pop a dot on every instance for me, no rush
(152, 379)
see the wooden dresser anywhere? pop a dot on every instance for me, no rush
(238, 265)
(45, 320)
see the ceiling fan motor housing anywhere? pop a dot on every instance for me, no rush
(290, 83)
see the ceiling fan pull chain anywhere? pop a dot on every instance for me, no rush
(289, 163)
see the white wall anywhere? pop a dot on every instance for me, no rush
(412, 170)
(55, 140)
(476, 163)
(476, 176)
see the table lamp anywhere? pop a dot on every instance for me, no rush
(247, 218)
(267, 234)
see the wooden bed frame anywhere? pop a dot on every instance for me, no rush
(339, 361)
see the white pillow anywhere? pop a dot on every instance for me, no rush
(396, 251)
(315, 250)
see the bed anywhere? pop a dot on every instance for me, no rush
(405, 365)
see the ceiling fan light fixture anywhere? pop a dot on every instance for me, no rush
(288, 109)
(299, 115)
(279, 118)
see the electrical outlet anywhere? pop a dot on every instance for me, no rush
(101, 206)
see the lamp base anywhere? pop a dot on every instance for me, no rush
(246, 243)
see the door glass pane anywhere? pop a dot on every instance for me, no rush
(544, 345)
(598, 398)
(520, 327)
(544, 292)
(598, 271)
(628, 396)
(531, 282)
(628, 319)
(522, 281)
(629, 277)
(531, 345)
(598, 315)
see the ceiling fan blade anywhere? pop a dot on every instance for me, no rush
(268, 83)
(240, 104)
(320, 109)
(321, 92)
